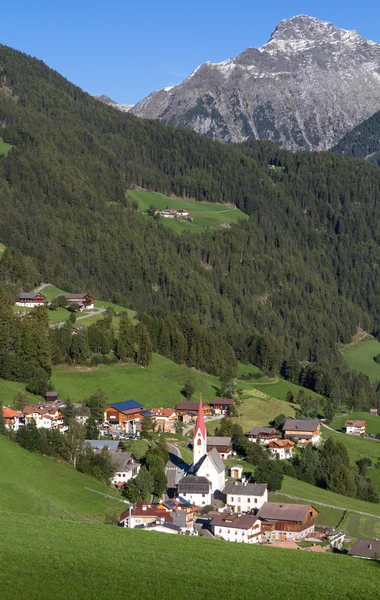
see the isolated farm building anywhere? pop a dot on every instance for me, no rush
(187, 407)
(356, 427)
(30, 300)
(222, 406)
(244, 497)
(369, 549)
(287, 521)
(168, 213)
(223, 446)
(51, 396)
(281, 449)
(125, 416)
(183, 212)
(194, 489)
(84, 301)
(304, 431)
(236, 527)
(374, 412)
(165, 419)
(127, 467)
(263, 435)
(11, 418)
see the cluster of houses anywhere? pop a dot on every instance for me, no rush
(172, 213)
(33, 299)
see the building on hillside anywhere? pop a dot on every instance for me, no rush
(286, 521)
(30, 300)
(112, 445)
(337, 540)
(165, 419)
(84, 301)
(263, 435)
(178, 513)
(127, 468)
(47, 416)
(304, 431)
(244, 497)
(196, 490)
(144, 513)
(183, 212)
(356, 427)
(281, 449)
(125, 416)
(236, 472)
(222, 406)
(223, 446)
(11, 418)
(369, 549)
(236, 527)
(182, 513)
(374, 412)
(168, 213)
(51, 397)
(186, 407)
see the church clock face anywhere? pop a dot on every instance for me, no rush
(207, 474)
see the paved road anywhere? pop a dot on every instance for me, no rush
(94, 312)
(174, 472)
(41, 287)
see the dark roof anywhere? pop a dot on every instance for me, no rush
(126, 405)
(218, 441)
(193, 406)
(194, 485)
(28, 295)
(301, 424)
(275, 511)
(100, 444)
(249, 489)
(223, 401)
(124, 461)
(233, 520)
(51, 395)
(76, 296)
(365, 548)
(264, 430)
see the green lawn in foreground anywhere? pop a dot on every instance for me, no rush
(35, 485)
(95, 561)
(373, 422)
(360, 358)
(4, 147)
(158, 385)
(209, 214)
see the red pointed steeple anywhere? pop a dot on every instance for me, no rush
(200, 424)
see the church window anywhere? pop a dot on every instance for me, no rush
(199, 441)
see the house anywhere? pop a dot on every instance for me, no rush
(51, 397)
(221, 406)
(263, 435)
(186, 407)
(196, 490)
(206, 464)
(183, 212)
(234, 527)
(30, 299)
(356, 427)
(304, 431)
(165, 419)
(286, 521)
(244, 497)
(84, 301)
(223, 446)
(236, 471)
(144, 513)
(112, 445)
(11, 418)
(127, 467)
(374, 412)
(281, 449)
(337, 540)
(125, 416)
(182, 513)
(369, 549)
(168, 213)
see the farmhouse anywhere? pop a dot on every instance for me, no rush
(127, 467)
(144, 513)
(165, 419)
(236, 527)
(356, 427)
(221, 406)
(47, 416)
(286, 521)
(263, 435)
(125, 416)
(305, 432)
(168, 213)
(369, 549)
(186, 407)
(11, 418)
(84, 301)
(183, 212)
(196, 490)
(30, 300)
(374, 412)
(223, 446)
(281, 449)
(244, 497)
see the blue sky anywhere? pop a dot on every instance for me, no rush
(126, 49)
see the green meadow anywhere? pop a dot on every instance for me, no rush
(204, 214)
(4, 147)
(360, 357)
(373, 422)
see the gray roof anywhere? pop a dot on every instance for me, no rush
(249, 489)
(225, 519)
(216, 461)
(100, 444)
(27, 295)
(275, 511)
(218, 441)
(365, 548)
(265, 430)
(194, 485)
(124, 461)
(301, 424)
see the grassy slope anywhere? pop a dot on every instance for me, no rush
(357, 447)
(39, 486)
(373, 422)
(89, 561)
(203, 213)
(8, 390)
(4, 147)
(360, 358)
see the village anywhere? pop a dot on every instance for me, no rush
(206, 498)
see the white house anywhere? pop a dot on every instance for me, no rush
(126, 467)
(11, 418)
(196, 490)
(263, 435)
(236, 527)
(30, 300)
(356, 427)
(244, 497)
(305, 431)
(281, 449)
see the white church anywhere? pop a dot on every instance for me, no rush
(207, 474)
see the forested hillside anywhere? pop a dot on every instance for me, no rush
(280, 289)
(362, 141)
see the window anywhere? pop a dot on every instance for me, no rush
(239, 499)
(199, 441)
(220, 531)
(236, 532)
(203, 495)
(255, 500)
(249, 500)
(232, 498)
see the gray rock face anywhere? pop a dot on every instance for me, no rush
(107, 100)
(304, 89)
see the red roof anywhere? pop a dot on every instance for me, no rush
(9, 413)
(200, 424)
(163, 412)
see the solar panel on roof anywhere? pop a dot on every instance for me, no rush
(126, 405)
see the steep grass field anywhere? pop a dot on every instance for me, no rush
(4, 147)
(373, 422)
(45, 559)
(38, 486)
(360, 358)
(204, 214)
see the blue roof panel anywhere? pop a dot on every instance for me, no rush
(126, 405)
